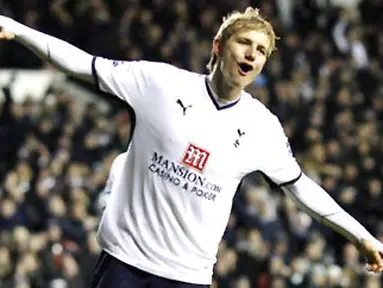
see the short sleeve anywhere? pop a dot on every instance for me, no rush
(278, 161)
(131, 81)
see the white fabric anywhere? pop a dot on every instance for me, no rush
(359, 54)
(63, 55)
(286, 12)
(345, 3)
(339, 36)
(170, 205)
(313, 199)
(115, 167)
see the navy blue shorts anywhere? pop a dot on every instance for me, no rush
(110, 272)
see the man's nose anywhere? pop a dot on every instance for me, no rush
(250, 55)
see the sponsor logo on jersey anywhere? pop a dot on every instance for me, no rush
(184, 108)
(184, 177)
(195, 157)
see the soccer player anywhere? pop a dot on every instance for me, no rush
(195, 137)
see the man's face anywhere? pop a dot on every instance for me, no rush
(243, 56)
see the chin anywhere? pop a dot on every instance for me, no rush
(247, 84)
(241, 83)
(237, 82)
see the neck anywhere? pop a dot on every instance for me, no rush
(223, 90)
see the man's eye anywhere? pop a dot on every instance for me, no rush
(242, 41)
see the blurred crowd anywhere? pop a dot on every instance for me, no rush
(324, 83)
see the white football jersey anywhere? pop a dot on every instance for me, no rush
(169, 207)
(113, 173)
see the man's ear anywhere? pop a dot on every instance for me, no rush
(217, 47)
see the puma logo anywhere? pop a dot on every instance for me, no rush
(184, 108)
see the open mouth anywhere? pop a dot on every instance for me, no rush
(244, 68)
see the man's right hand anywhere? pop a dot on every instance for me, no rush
(5, 28)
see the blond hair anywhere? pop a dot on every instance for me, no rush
(236, 21)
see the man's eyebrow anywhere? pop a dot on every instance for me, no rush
(249, 41)
(246, 39)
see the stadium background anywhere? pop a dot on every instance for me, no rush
(324, 83)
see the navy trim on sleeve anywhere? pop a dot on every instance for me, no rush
(94, 73)
(291, 181)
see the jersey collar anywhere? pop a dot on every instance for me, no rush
(213, 97)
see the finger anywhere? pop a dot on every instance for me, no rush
(373, 268)
(377, 270)
(10, 36)
(370, 267)
(378, 259)
(379, 267)
(374, 258)
(7, 35)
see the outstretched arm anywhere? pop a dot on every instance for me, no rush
(313, 199)
(59, 53)
(280, 166)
